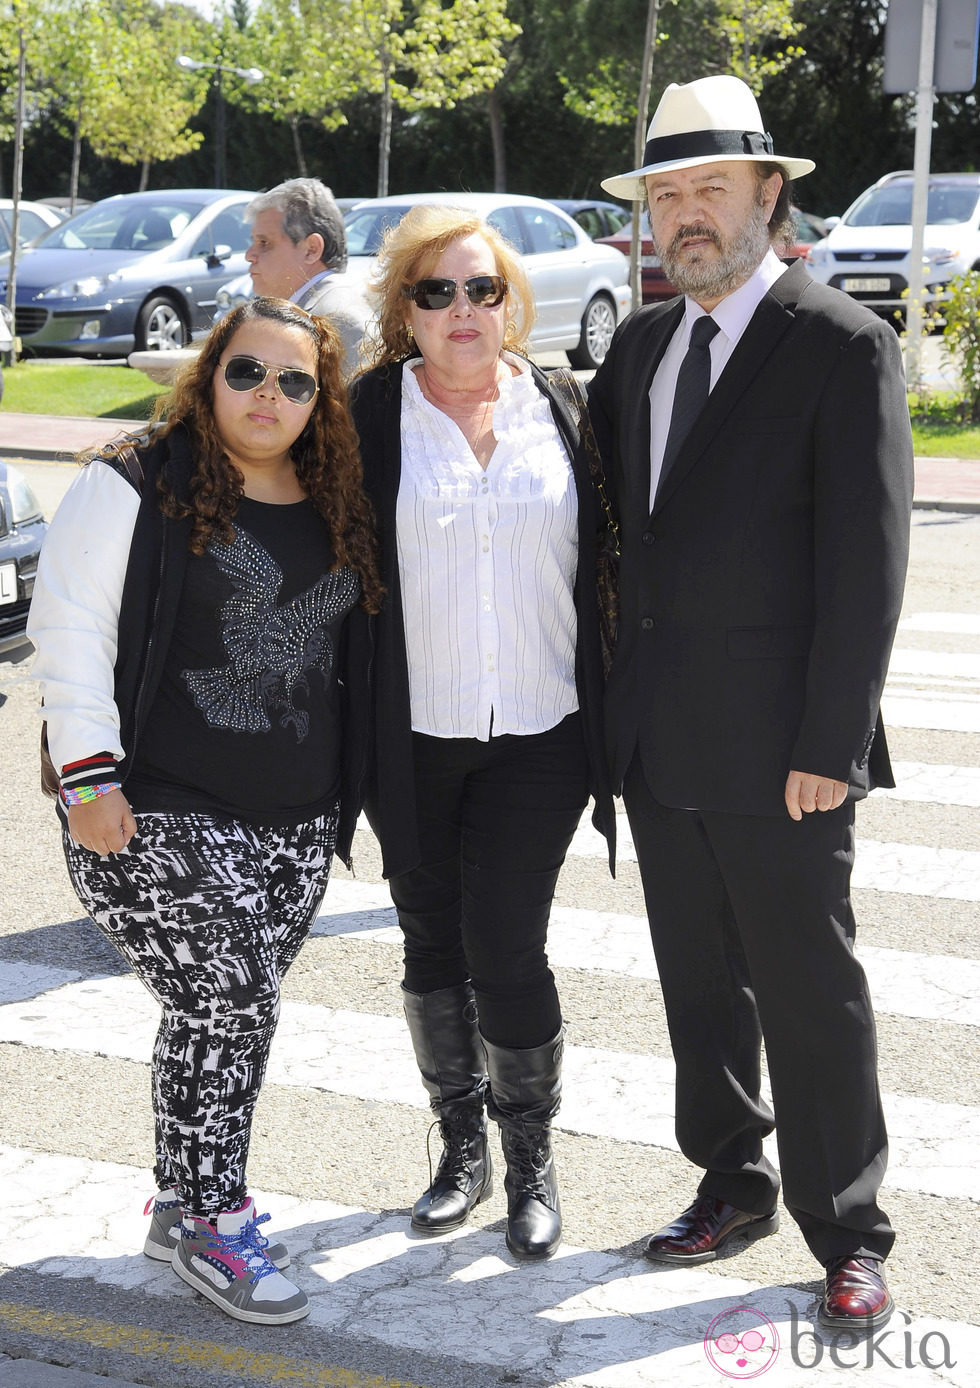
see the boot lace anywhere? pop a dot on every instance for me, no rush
(455, 1162)
(528, 1159)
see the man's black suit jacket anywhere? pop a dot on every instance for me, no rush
(761, 596)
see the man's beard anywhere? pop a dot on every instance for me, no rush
(713, 277)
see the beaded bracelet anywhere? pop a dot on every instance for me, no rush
(85, 794)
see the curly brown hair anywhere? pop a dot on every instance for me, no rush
(410, 250)
(326, 455)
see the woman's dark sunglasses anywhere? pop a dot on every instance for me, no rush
(485, 291)
(248, 373)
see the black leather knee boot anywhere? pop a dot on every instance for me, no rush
(452, 1063)
(525, 1092)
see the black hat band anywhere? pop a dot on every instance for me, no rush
(707, 144)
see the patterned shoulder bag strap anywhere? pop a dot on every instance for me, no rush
(568, 387)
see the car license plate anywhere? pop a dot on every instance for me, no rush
(8, 583)
(864, 285)
(650, 262)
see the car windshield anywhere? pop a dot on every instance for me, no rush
(123, 226)
(891, 205)
(366, 227)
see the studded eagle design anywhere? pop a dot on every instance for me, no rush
(272, 649)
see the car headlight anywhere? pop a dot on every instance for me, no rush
(818, 255)
(85, 288)
(24, 504)
(225, 301)
(941, 255)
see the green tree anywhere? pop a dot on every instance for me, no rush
(21, 22)
(419, 54)
(831, 104)
(307, 72)
(144, 108)
(754, 31)
(961, 340)
(106, 74)
(747, 38)
(72, 58)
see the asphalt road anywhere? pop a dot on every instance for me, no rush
(339, 1144)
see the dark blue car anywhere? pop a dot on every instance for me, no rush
(22, 528)
(131, 273)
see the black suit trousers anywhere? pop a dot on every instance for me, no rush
(753, 932)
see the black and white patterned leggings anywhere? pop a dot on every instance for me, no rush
(209, 913)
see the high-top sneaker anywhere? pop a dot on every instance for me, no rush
(228, 1262)
(165, 1231)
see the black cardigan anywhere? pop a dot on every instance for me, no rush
(376, 407)
(151, 592)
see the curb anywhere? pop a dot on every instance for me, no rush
(35, 1373)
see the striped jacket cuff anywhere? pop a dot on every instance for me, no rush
(90, 771)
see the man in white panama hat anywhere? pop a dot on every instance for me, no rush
(757, 449)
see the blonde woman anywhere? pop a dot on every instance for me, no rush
(488, 686)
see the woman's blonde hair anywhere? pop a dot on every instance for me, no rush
(410, 251)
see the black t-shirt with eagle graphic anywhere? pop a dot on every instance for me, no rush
(246, 721)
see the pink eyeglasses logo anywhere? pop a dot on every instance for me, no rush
(741, 1343)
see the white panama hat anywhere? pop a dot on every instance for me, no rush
(703, 122)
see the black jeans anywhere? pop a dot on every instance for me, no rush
(495, 822)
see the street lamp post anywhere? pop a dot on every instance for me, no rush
(249, 75)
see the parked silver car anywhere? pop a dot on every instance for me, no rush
(581, 290)
(137, 271)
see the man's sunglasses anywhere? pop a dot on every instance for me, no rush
(484, 291)
(248, 373)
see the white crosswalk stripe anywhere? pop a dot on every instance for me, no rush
(934, 689)
(940, 623)
(911, 869)
(592, 1317)
(608, 1093)
(927, 783)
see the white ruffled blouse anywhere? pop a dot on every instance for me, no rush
(487, 561)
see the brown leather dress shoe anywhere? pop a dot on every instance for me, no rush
(698, 1235)
(855, 1297)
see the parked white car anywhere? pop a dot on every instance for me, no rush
(33, 220)
(581, 289)
(866, 252)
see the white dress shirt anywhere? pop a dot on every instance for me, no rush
(732, 316)
(487, 560)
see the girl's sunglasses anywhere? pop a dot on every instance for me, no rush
(248, 373)
(484, 291)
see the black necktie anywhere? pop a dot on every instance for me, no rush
(691, 391)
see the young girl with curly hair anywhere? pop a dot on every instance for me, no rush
(201, 619)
